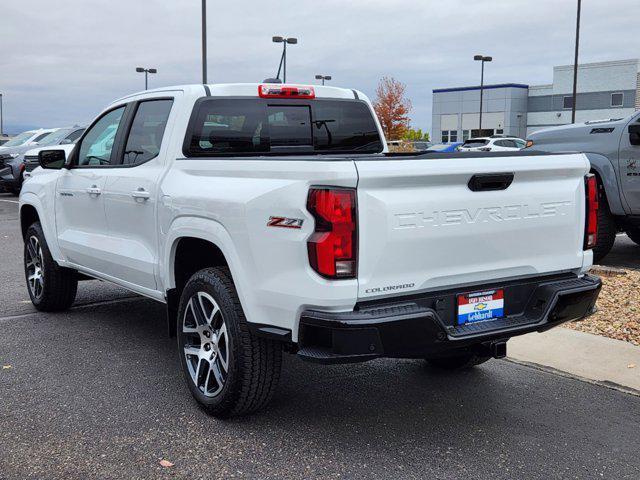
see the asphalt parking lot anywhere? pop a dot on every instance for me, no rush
(96, 392)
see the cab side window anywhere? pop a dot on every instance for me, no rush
(95, 149)
(147, 130)
(73, 136)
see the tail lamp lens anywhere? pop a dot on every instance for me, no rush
(591, 224)
(333, 245)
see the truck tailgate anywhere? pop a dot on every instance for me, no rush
(421, 227)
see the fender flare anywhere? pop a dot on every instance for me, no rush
(210, 231)
(609, 180)
(47, 223)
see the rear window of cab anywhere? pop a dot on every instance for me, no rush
(257, 126)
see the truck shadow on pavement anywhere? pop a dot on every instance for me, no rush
(109, 381)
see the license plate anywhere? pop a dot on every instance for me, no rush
(480, 306)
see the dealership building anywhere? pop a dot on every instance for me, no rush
(605, 90)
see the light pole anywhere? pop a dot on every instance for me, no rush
(204, 41)
(481, 58)
(575, 66)
(323, 78)
(1, 117)
(283, 58)
(146, 71)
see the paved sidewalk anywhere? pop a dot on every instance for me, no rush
(589, 356)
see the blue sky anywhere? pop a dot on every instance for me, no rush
(62, 62)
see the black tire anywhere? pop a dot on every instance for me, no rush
(634, 234)
(253, 363)
(459, 362)
(607, 228)
(58, 286)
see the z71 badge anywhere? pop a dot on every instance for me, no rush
(285, 222)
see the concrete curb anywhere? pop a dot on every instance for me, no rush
(581, 355)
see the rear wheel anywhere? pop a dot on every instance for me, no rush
(228, 370)
(607, 229)
(51, 287)
(634, 234)
(458, 362)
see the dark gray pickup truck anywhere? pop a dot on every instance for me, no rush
(613, 148)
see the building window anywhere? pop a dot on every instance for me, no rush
(445, 136)
(567, 102)
(465, 135)
(617, 99)
(453, 136)
(499, 131)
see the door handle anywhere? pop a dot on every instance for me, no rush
(141, 194)
(94, 190)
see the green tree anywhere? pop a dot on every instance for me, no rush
(416, 135)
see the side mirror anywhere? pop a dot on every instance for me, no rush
(634, 134)
(66, 141)
(52, 159)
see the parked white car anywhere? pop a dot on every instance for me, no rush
(25, 139)
(497, 143)
(269, 218)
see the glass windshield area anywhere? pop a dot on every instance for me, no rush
(439, 147)
(228, 127)
(96, 146)
(475, 143)
(147, 130)
(289, 126)
(345, 126)
(54, 138)
(255, 126)
(20, 139)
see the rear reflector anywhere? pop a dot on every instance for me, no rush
(283, 91)
(333, 245)
(591, 222)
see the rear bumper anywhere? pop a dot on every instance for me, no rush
(424, 326)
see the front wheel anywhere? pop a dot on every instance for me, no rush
(52, 288)
(228, 370)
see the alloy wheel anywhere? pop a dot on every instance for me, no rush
(206, 344)
(35, 267)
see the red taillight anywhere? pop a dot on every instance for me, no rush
(591, 223)
(333, 246)
(284, 91)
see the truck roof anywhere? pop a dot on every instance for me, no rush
(579, 127)
(249, 90)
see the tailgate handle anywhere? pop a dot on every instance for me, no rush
(485, 182)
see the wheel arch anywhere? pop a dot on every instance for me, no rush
(193, 237)
(28, 216)
(31, 209)
(607, 178)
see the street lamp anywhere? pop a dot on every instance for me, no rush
(146, 71)
(283, 58)
(323, 78)
(575, 66)
(204, 41)
(481, 58)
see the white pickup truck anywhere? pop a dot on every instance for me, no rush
(270, 218)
